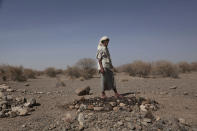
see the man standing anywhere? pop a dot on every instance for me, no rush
(105, 67)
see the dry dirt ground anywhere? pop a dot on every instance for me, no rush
(174, 103)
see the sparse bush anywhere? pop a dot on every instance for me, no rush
(136, 68)
(86, 64)
(140, 68)
(73, 72)
(51, 72)
(29, 73)
(165, 69)
(2, 74)
(16, 73)
(193, 66)
(86, 67)
(124, 68)
(184, 67)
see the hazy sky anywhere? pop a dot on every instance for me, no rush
(43, 33)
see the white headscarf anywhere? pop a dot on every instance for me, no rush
(100, 45)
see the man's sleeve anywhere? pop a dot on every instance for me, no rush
(99, 55)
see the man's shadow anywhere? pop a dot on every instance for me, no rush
(128, 93)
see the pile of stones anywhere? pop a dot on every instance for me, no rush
(11, 106)
(114, 114)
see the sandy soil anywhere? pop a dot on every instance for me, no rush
(174, 103)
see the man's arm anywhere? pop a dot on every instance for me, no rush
(101, 66)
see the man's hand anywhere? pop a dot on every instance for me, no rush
(101, 66)
(102, 71)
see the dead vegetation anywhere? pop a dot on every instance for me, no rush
(160, 68)
(84, 68)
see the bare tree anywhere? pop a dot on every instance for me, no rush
(86, 64)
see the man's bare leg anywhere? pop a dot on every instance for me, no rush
(103, 95)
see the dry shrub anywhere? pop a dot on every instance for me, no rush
(136, 68)
(84, 68)
(39, 73)
(2, 74)
(14, 73)
(140, 68)
(124, 68)
(184, 67)
(193, 66)
(87, 67)
(73, 72)
(165, 69)
(29, 73)
(51, 72)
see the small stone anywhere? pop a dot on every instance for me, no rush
(83, 91)
(23, 126)
(128, 119)
(81, 119)
(173, 87)
(120, 123)
(98, 108)
(122, 104)
(23, 112)
(147, 120)
(39, 92)
(9, 97)
(112, 103)
(182, 121)
(3, 102)
(26, 84)
(82, 107)
(4, 106)
(130, 126)
(144, 123)
(10, 90)
(157, 118)
(77, 106)
(4, 86)
(116, 108)
(164, 93)
(32, 101)
(2, 114)
(185, 93)
(90, 107)
(124, 80)
(52, 126)
(71, 107)
(81, 127)
(68, 117)
(81, 79)
(21, 99)
(143, 108)
(12, 114)
(1, 95)
(28, 104)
